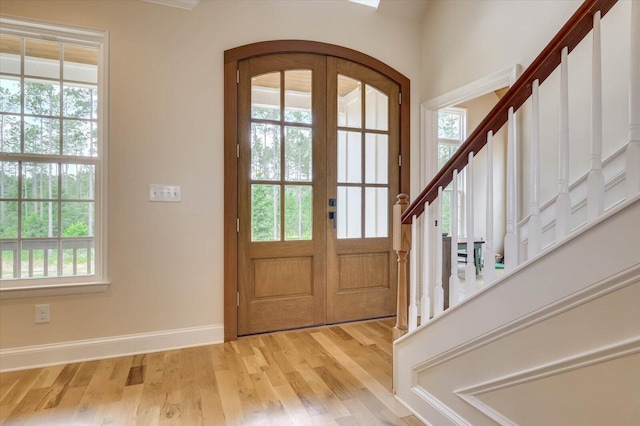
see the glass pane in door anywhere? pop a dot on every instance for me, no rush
(376, 207)
(349, 157)
(297, 96)
(298, 205)
(265, 212)
(298, 154)
(265, 96)
(265, 151)
(376, 163)
(349, 212)
(377, 108)
(349, 102)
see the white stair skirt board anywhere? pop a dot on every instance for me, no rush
(542, 336)
(108, 347)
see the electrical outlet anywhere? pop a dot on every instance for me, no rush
(42, 314)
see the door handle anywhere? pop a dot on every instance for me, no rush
(333, 216)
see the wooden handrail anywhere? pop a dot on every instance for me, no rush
(578, 26)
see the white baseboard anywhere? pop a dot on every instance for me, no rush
(108, 347)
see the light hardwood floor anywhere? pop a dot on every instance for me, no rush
(334, 375)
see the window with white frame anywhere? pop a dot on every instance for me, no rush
(451, 134)
(52, 155)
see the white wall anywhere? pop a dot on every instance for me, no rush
(166, 126)
(465, 40)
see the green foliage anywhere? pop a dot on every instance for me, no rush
(33, 226)
(9, 228)
(267, 201)
(76, 229)
(265, 212)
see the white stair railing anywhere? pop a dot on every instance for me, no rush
(595, 195)
(510, 238)
(488, 253)
(563, 202)
(535, 225)
(431, 290)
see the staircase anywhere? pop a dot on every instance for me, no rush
(555, 340)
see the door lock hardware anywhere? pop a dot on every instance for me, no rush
(333, 216)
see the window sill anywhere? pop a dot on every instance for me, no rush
(54, 290)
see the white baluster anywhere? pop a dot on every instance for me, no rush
(595, 181)
(438, 291)
(510, 238)
(563, 202)
(413, 282)
(632, 173)
(425, 302)
(489, 255)
(454, 281)
(470, 267)
(535, 226)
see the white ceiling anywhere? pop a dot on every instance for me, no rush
(407, 9)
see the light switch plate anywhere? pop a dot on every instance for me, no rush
(164, 193)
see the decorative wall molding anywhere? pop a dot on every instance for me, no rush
(108, 347)
(442, 408)
(180, 4)
(561, 366)
(497, 80)
(593, 292)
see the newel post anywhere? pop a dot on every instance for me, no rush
(402, 246)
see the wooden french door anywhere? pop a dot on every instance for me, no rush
(317, 176)
(363, 178)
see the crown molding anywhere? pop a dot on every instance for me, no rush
(180, 4)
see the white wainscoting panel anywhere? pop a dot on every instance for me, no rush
(555, 343)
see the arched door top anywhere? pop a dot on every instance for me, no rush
(302, 46)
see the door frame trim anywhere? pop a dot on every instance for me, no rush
(231, 59)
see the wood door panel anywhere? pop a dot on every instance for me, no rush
(292, 312)
(363, 271)
(367, 303)
(282, 277)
